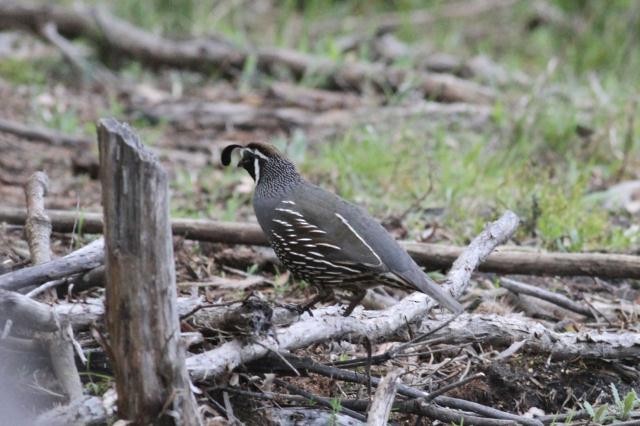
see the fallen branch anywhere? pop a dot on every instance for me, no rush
(433, 256)
(82, 260)
(105, 29)
(540, 293)
(505, 330)
(326, 324)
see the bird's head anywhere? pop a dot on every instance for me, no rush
(262, 161)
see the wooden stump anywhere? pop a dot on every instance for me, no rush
(142, 317)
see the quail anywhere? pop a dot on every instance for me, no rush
(323, 239)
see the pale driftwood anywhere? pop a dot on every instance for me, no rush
(59, 341)
(327, 323)
(503, 260)
(540, 293)
(103, 28)
(142, 317)
(84, 259)
(382, 402)
(505, 330)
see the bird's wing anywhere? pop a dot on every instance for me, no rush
(324, 225)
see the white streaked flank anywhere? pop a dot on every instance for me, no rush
(361, 239)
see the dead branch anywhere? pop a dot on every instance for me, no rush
(558, 299)
(434, 256)
(103, 29)
(382, 402)
(326, 323)
(59, 341)
(505, 330)
(84, 259)
(146, 353)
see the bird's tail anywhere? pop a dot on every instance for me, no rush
(421, 282)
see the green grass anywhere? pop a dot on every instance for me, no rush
(535, 163)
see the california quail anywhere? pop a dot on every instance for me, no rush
(324, 239)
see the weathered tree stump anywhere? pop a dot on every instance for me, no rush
(142, 316)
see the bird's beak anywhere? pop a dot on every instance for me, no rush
(243, 161)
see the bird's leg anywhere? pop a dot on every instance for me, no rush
(355, 300)
(324, 294)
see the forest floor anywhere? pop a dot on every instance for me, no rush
(554, 136)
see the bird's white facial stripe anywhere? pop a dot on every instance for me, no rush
(339, 216)
(257, 153)
(256, 169)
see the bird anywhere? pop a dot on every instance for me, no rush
(322, 238)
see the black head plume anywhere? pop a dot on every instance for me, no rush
(226, 153)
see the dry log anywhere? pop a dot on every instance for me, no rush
(434, 256)
(84, 259)
(142, 316)
(505, 330)
(327, 323)
(382, 402)
(202, 54)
